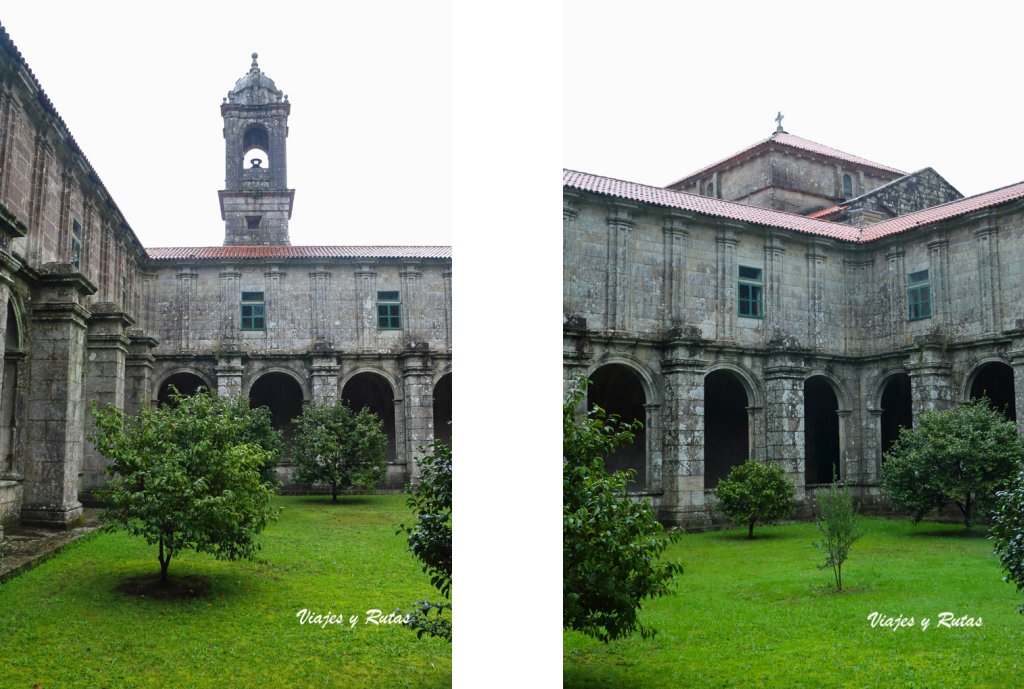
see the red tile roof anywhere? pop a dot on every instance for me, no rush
(824, 213)
(217, 253)
(792, 141)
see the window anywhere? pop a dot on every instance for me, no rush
(919, 296)
(389, 311)
(252, 222)
(751, 292)
(254, 311)
(76, 244)
(847, 187)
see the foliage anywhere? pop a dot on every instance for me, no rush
(430, 538)
(1007, 532)
(839, 526)
(756, 492)
(611, 544)
(333, 444)
(186, 477)
(962, 455)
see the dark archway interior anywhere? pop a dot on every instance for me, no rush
(8, 396)
(443, 409)
(618, 390)
(185, 383)
(374, 392)
(897, 409)
(821, 431)
(995, 381)
(726, 431)
(282, 395)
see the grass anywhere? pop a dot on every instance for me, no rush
(66, 624)
(760, 614)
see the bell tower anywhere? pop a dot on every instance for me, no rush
(256, 202)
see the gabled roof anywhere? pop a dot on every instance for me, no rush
(242, 253)
(788, 140)
(704, 205)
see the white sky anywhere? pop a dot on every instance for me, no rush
(140, 87)
(656, 90)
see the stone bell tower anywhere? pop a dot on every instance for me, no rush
(256, 202)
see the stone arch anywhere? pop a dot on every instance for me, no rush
(750, 382)
(619, 389)
(255, 144)
(10, 402)
(641, 369)
(282, 392)
(822, 436)
(185, 380)
(285, 370)
(372, 389)
(894, 398)
(443, 407)
(727, 423)
(992, 377)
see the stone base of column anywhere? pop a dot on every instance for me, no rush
(54, 516)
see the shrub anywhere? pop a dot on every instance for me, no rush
(1007, 532)
(839, 526)
(184, 477)
(962, 455)
(756, 492)
(611, 545)
(333, 444)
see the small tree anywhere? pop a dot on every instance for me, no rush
(333, 444)
(839, 526)
(756, 492)
(611, 544)
(1007, 532)
(430, 538)
(962, 455)
(184, 478)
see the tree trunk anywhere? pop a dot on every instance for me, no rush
(334, 491)
(750, 529)
(164, 562)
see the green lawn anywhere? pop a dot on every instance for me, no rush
(760, 614)
(64, 624)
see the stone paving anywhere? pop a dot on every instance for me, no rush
(25, 547)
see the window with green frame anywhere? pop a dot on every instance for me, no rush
(254, 311)
(751, 293)
(389, 311)
(76, 243)
(919, 296)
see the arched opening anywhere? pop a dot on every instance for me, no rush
(821, 431)
(897, 409)
(372, 390)
(618, 390)
(282, 395)
(847, 187)
(726, 431)
(443, 409)
(185, 383)
(256, 144)
(13, 355)
(994, 380)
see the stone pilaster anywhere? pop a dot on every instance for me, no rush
(412, 303)
(1017, 362)
(187, 286)
(682, 474)
(138, 372)
(774, 274)
(569, 251)
(276, 308)
(725, 285)
(230, 303)
(897, 297)
(229, 374)
(930, 386)
(366, 307)
(418, 406)
(325, 372)
(784, 413)
(871, 468)
(674, 237)
(618, 282)
(106, 352)
(816, 325)
(56, 413)
(939, 275)
(987, 242)
(447, 276)
(319, 289)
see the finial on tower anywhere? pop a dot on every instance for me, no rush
(255, 67)
(778, 118)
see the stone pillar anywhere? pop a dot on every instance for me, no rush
(784, 413)
(871, 467)
(187, 286)
(229, 374)
(988, 278)
(1017, 362)
(855, 278)
(727, 278)
(107, 350)
(325, 371)
(412, 303)
(618, 282)
(774, 272)
(55, 411)
(938, 264)
(447, 276)
(418, 406)
(674, 236)
(930, 386)
(276, 309)
(230, 303)
(320, 288)
(816, 324)
(138, 372)
(897, 297)
(569, 213)
(682, 474)
(366, 305)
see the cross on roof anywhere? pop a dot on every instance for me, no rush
(778, 118)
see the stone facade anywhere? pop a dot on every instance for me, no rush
(90, 316)
(755, 333)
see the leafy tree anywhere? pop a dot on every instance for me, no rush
(333, 444)
(430, 538)
(611, 544)
(962, 455)
(755, 492)
(185, 477)
(839, 525)
(1007, 532)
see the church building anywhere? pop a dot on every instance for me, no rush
(791, 302)
(89, 315)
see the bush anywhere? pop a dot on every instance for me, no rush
(839, 526)
(430, 538)
(333, 444)
(962, 455)
(1007, 532)
(756, 492)
(186, 477)
(611, 544)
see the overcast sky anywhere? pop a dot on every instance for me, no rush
(140, 87)
(656, 90)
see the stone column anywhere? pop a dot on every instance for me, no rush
(930, 386)
(229, 374)
(871, 467)
(784, 413)
(418, 406)
(366, 305)
(138, 372)
(675, 236)
(55, 410)
(325, 371)
(107, 350)
(682, 474)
